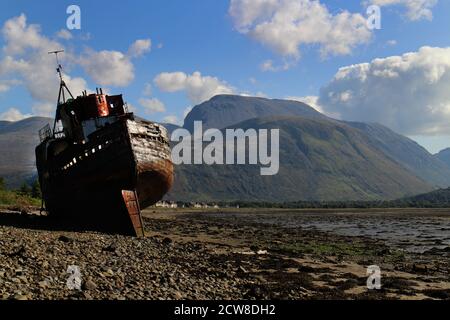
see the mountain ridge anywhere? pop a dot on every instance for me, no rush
(225, 110)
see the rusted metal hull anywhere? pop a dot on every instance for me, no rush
(153, 163)
(124, 167)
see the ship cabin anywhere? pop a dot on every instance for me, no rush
(76, 119)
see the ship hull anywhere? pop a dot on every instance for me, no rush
(125, 167)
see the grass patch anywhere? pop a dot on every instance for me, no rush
(321, 248)
(14, 198)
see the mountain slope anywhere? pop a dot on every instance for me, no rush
(407, 152)
(170, 127)
(17, 143)
(319, 160)
(444, 156)
(224, 110)
(437, 198)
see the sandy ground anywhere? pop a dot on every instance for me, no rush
(227, 254)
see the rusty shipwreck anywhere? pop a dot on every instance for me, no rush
(100, 165)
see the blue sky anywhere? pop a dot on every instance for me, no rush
(207, 37)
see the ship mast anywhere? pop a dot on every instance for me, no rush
(62, 86)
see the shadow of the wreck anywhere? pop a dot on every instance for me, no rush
(47, 223)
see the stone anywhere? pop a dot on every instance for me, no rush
(20, 297)
(420, 267)
(89, 285)
(64, 238)
(305, 269)
(87, 296)
(18, 271)
(109, 273)
(242, 269)
(44, 284)
(111, 248)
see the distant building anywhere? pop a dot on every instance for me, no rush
(166, 204)
(173, 205)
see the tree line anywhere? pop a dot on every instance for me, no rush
(26, 189)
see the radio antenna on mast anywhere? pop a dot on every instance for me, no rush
(62, 85)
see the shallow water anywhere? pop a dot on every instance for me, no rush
(413, 232)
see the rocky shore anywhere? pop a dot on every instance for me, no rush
(199, 255)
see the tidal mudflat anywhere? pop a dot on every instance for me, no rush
(230, 254)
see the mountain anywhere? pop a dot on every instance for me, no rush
(170, 127)
(17, 143)
(444, 156)
(408, 153)
(319, 160)
(438, 198)
(225, 110)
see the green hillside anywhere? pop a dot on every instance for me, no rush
(320, 160)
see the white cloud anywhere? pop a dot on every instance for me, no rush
(258, 94)
(171, 81)
(286, 25)
(172, 119)
(197, 87)
(391, 42)
(13, 114)
(416, 9)
(26, 58)
(148, 90)
(312, 101)
(140, 47)
(131, 108)
(269, 66)
(86, 36)
(152, 105)
(186, 111)
(5, 85)
(64, 34)
(408, 93)
(44, 109)
(19, 37)
(108, 68)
